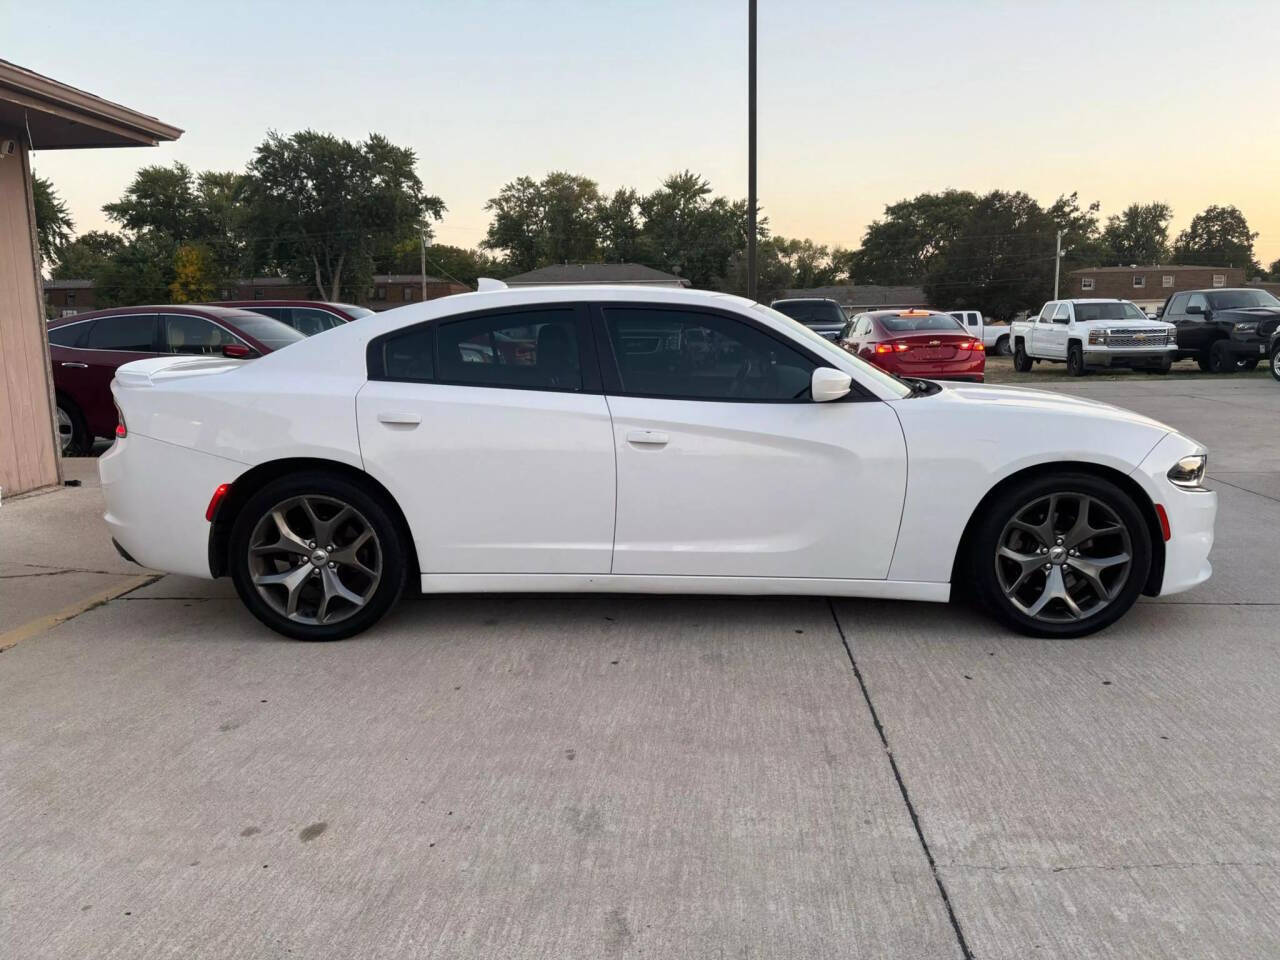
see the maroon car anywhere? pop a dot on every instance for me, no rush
(308, 317)
(86, 348)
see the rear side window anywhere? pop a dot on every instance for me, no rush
(70, 335)
(536, 349)
(133, 332)
(703, 356)
(408, 356)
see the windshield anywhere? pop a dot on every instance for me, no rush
(810, 312)
(1115, 310)
(1235, 299)
(825, 348)
(928, 321)
(271, 333)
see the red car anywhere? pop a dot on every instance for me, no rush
(86, 349)
(916, 343)
(308, 317)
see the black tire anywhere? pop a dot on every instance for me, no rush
(1021, 362)
(1075, 360)
(1221, 359)
(1203, 361)
(73, 433)
(370, 509)
(1275, 360)
(1002, 346)
(993, 522)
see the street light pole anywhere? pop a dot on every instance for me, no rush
(1057, 263)
(751, 149)
(422, 238)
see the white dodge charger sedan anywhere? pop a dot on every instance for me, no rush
(622, 439)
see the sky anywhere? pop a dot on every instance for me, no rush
(861, 104)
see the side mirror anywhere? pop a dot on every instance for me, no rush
(829, 383)
(1063, 320)
(1195, 308)
(237, 351)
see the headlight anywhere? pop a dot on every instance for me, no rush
(1247, 327)
(1189, 471)
(1097, 336)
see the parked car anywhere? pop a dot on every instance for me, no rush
(325, 478)
(1223, 330)
(1275, 353)
(824, 317)
(87, 348)
(1087, 334)
(993, 334)
(916, 343)
(308, 317)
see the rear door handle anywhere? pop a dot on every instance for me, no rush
(400, 419)
(652, 437)
(73, 365)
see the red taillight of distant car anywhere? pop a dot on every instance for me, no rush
(892, 347)
(974, 345)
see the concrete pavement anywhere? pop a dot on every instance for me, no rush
(631, 777)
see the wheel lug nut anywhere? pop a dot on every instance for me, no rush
(1059, 541)
(311, 544)
(332, 565)
(1048, 566)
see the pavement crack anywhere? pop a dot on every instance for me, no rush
(1168, 865)
(902, 787)
(56, 572)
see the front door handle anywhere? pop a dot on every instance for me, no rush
(400, 419)
(73, 365)
(652, 437)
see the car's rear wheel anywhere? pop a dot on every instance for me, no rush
(1021, 362)
(1061, 556)
(73, 435)
(1075, 360)
(1002, 346)
(317, 557)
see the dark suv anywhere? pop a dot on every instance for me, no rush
(1223, 329)
(824, 317)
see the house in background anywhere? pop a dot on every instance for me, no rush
(37, 113)
(570, 273)
(1148, 287)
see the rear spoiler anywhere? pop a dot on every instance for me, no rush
(147, 373)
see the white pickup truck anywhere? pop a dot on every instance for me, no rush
(1086, 334)
(994, 336)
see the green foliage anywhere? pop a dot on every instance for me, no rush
(692, 234)
(1140, 234)
(1273, 271)
(328, 209)
(87, 255)
(53, 223)
(552, 220)
(1217, 237)
(901, 248)
(140, 272)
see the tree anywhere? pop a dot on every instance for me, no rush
(901, 247)
(85, 257)
(1140, 234)
(1217, 237)
(536, 223)
(162, 200)
(1273, 272)
(618, 218)
(53, 223)
(1001, 261)
(809, 264)
(194, 280)
(690, 233)
(139, 272)
(330, 207)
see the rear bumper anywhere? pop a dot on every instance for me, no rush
(1191, 515)
(156, 495)
(971, 368)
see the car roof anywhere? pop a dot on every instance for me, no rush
(806, 300)
(250, 304)
(198, 309)
(1092, 300)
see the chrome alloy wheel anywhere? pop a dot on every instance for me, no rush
(315, 559)
(1063, 557)
(66, 430)
(1275, 363)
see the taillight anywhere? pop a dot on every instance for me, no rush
(884, 348)
(979, 346)
(901, 347)
(121, 430)
(216, 500)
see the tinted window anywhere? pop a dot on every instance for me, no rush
(535, 349)
(410, 355)
(1235, 299)
(703, 356)
(135, 332)
(194, 335)
(810, 312)
(70, 335)
(272, 334)
(1177, 305)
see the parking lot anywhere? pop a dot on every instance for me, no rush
(605, 777)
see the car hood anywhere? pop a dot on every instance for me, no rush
(1041, 402)
(1267, 318)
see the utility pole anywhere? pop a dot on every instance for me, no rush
(1057, 263)
(751, 149)
(422, 237)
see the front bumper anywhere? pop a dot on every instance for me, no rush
(1191, 515)
(1246, 346)
(1100, 356)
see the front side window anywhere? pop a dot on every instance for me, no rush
(1063, 312)
(703, 356)
(1046, 314)
(534, 350)
(186, 334)
(1197, 300)
(134, 332)
(1178, 305)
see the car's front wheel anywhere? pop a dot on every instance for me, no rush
(1222, 360)
(315, 556)
(1275, 360)
(1061, 556)
(1021, 362)
(1075, 360)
